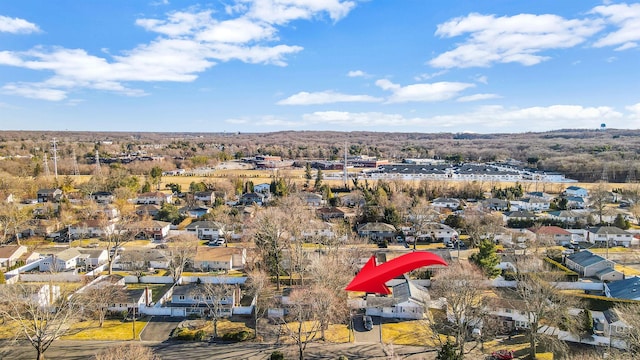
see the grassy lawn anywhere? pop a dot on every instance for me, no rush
(412, 332)
(337, 333)
(157, 290)
(616, 249)
(627, 270)
(113, 330)
(518, 344)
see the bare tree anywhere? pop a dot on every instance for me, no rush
(97, 299)
(304, 326)
(259, 285)
(217, 297)
(630, 314)
(544, 305)
(328, 298)
(130, 351)
(463, 287)
(271, 238)
(117, 237)
(39, 315)
(480, 225)
(12, 218)
(599, 198)
(182, 250)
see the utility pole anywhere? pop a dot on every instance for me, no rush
(76, 171)
(98, 170)
(46, 166)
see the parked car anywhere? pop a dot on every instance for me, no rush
(367, 322)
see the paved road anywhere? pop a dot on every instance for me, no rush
(159, 328)
(82, 350)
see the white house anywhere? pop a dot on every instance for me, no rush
(206, 230)
(103, 197)
(192, 299)
(408, 302)
(576, 191)
(207, 197)
(155, 198)
(531, 204)
(62, 261)
(9, 254)
(264, 188)
(611, 235)
(587, 264)
(93, 257)
(90, 229)
(445, 203)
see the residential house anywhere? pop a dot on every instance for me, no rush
(206, 230)
(133, 300)
(377, 231)
(44, 227)
(610, 236)
(206, 197)
(155, 198)
(91, 229)
(49, 195)
(609, 274)
(220, 258)
(192, 299)
(252, 198)
(9, 255)
(569, 216)
(30, 257)
(352, 200)
(144, 259)
(434, 232)
(576, 202)
(587, 264)
(62, 261)
(509, 314)
(576, 191)
(194, 211)
(627, 289)
(618, 328)
(540, 195)
(531, 204)
(445, 203)
(407, 302)
(149, 229)
(518, 216)
(147, 210)
(264, 188)
(311, 199)
(91, 258)
(103, 197)
(609, 215)
(341, 213)
(496, 204)
(552, 233)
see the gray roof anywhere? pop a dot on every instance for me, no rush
(607, 230)
(205, 225)
(585, 258)
(68, 254)
(628, 288)
(377, 226)
(520, 214)
(605, 271)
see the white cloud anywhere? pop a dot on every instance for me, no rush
(423, 77)
(481, 79)
(519, 38)
(438, 91)
(357, 73)
(34, 91)
(325, 97)
(634, 111)
(284, 11)
(17, 26)
(189, 43)
(626, 18)
(626, 46)
(478, 97)
(486, 118)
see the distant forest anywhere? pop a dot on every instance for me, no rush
(584, 155)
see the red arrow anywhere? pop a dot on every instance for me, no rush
(372, 278)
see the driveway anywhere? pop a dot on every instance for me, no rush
(366, 336)
(159, 328)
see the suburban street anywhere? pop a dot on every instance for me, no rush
(82, 350)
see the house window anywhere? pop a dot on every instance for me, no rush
(181, 297)
(508, 311)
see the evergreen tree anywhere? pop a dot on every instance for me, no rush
(487, 258)
(318, 182)
(307, 172)
(448, 352)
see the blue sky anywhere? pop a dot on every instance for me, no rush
(348, 65)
